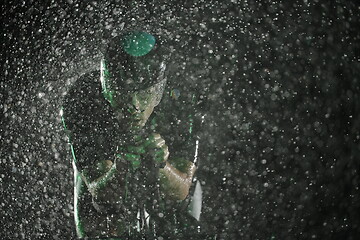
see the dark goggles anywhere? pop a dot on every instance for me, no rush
(134, 61)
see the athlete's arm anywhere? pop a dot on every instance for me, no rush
(175, 184)
(176, 175)
(87, 122)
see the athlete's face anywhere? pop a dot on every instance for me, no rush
(137, 107)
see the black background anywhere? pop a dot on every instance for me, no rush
(280, 82)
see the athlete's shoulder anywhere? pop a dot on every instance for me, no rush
(83, 93)
(88, 83)
(87, 86)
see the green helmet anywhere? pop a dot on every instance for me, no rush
(133, 61)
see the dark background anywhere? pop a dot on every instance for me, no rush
(280, 82)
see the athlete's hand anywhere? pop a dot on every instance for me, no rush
(156, 148)
(152, 146)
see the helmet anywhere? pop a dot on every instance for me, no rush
(134, 61)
